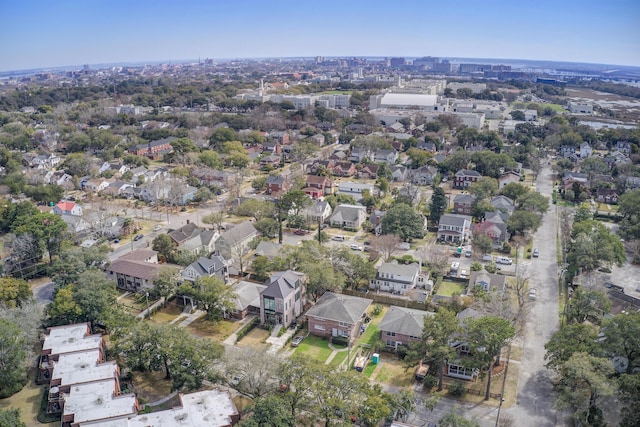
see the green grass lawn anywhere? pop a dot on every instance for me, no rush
(314, 347)
(447, 288)
(369, 369)
(218, 331)
(338, 359)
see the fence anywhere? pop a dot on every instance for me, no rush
(386, 299)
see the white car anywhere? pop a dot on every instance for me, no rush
(532, 293)
(356, 247)
(157, 228)
(463, 274)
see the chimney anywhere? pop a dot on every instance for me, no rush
(188, 221)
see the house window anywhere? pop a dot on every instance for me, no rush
(269, 304)
(391, 334)
(318, 327)
(343, 324)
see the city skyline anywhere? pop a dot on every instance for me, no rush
(67, 33)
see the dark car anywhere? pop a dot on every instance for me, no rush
(138, 237)
(300, 232)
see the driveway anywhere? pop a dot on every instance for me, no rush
(534, 403)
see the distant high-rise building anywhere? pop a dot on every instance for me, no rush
(397, 62)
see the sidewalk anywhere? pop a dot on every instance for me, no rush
(233, 338)
(277, 343)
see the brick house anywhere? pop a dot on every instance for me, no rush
(607, 195)
(318, 186)
(463, 203)
(338, 315)
(277, 184)
(153, 149)
(368, 172)
(464, 178)
(344, 169)
(402, 326)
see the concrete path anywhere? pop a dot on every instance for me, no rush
(192, 318)
(161, 401)
(233, 338)
(277, 343)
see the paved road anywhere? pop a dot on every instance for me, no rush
(534, 404)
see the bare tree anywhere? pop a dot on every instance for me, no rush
(239, 252)
(436, 257)
(215, 219)
(251, 373)
(385, 245)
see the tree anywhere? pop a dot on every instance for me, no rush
(629, 395)
(485, 187)
(259, 183)
(14, 292)
(258, 209)
(533, 201)
(13, 373)
(586, 304)
(593, 246)
(438, 205)
(571, 339)
(385, 245)
(517, 115)
(210, 159)
(583, 380)
(486, 336)
(77, 164)
(165, 283)
(403, 221)
(255, 373)
(629, 208)
(214, 218)
(164, 245)
(523, 221)
(64, 310)
(181, 146)
(261, 267)
(482, 244)
(11, 418)
(295, 201)
(435, 346)
(212, 295)
(47, 229)
(622, 337)
(456, 420)
(269, 411)
(418, 157)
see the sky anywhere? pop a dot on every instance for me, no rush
(52, 33)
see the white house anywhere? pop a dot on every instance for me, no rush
(398, 278)
(351, 216)
(454, 228)
(585, 150)
(66, 207)
(354, 189)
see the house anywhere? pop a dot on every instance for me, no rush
(355, 189)
(632, 182)
(318, 212)
(213, 176)
(194, 239)
(268, 249)
(571, 178)
(585, 150)
(623, 146)
(344, 169)
(427, 146)
(531, 115)
(153, 149)
(97, 401)
(607, 195)
(234, 243)
(368, 171)
(386, 156)
(402, 326)
(67, 207)
(136, 270)
(398, 278)
(507, 178)
(503, 204)
(283, 299)
(454, 228)
(360, 154)
(494, 226)
(464, 178)
(399, 173)
(318, 186)
(277, 184)
(463, 203)
(247, 299)
(95, 185)
(69, 339)
(338, 315)
(323, 166)
(486, 281)
(424, 175)
(271, 161)
(349, 216)
(376, 221)
(280, 137)
(117, 188)
(456, 368)
(215, 266)
(272, 147)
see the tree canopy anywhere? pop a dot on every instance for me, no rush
(403, 221)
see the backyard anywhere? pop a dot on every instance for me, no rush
(448, 288)
(217, 331)
(167, 314)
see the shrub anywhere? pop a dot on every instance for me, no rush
(476, 266)
(247, 328)
(429, 382)
(457, 389)
(377, 309)
(491, 267)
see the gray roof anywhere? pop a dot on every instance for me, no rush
(208, 266)
(406, 321)
(464, 198)
(455, 220)
(268, 249)
(469, 313)
(247, 294)
(239, 233)
(340, 308)
(282, 283)
(347, 213)
(467, 172)
(399, 269)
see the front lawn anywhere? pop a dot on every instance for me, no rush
(448, 288)
(255, 340)
(393, 372)
(314, 347)
(218, 331)
(167, 314)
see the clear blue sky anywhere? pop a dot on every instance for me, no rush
(47, 33)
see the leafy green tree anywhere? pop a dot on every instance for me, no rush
(517, 115)
(622, 337)
(523, 221)
(593, 246)
(14, 292)
(259, 183)
(629, 208)
(435, 346)
(487, 335)
(438, 205)
(586, 304)
(403, 221)
(583, 380)
(294, 202)
(418, 157)
(164, 245)
(629, 395)
(11, 418)
(533, 201)
(572, 338)
(165, 284)
(64, 310)
(482, 244)
(13, 372)
(212, 295)
(182, 146)
(77, 164)
(48, 230)
(238, 160)
(256, 208)
(269, 411)
(211, 159)
(485, 187)
(456, 420)
(220, 136)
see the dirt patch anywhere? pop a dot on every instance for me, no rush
(255, 340)
(150, 386)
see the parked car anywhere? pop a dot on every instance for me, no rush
(138, 237)
(487, 258)
(468, 253)
(463, 274)
(296, 341)
(535, 253)
(339, 238)
(532, 293)
(504, 260)
(356, 247)
(300, 232)
(157, 228)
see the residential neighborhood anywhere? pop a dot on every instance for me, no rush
(354, 224)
